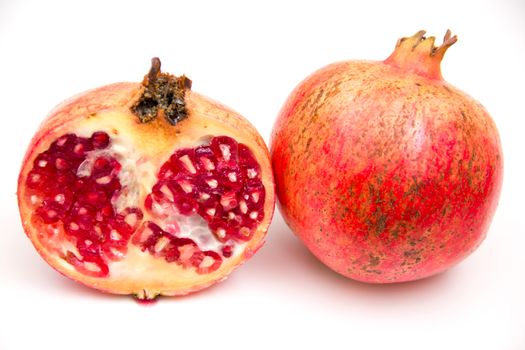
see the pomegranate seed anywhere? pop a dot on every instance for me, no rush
(60, 198)
(61, 141)
(227, 251)
(186, 186)
(100, 140)
(34, 178)
(186, 161)
(209, 181)
(186, 206)
(161, 243)
(48, 215)
(225, 151)
(61, 164)
(104, 180)
(35, 199)
(232, 177)
(228, 200)
(206, 181)
(209, 262)
(243, 207)
(76, 198)
(221, 233)
(114, 235)
(79, 149)
(225, 148)
(208, 164)
(186, 251)
(131, 219)
(164, 189)
(212, 183)
(100, 164)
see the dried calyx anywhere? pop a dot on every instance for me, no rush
(163, 95)
(419, 54)
(419, 42)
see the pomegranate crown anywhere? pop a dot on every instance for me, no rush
(163, 94)
(419, 54)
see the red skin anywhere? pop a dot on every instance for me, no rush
(385, 171)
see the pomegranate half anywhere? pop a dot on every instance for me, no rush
(384, 170)
(146, 189)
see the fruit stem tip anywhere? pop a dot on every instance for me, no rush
(154, 70)
(163, 94)
(418, 53)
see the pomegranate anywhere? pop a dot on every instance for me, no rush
(386, 172)
(146, 189)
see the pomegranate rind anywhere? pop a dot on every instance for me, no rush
(108, 108)
(359, 152)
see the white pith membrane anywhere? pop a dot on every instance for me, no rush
(137, 176)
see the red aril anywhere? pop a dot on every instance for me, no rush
(146, 189)
(384, 170)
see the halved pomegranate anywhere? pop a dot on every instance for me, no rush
(146, 189)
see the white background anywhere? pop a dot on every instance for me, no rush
(250, 56)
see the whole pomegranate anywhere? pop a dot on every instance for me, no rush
(384, 170)
(146, 189)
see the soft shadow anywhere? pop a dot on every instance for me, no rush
(286, 260)
(29, 271)
(283, 262)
